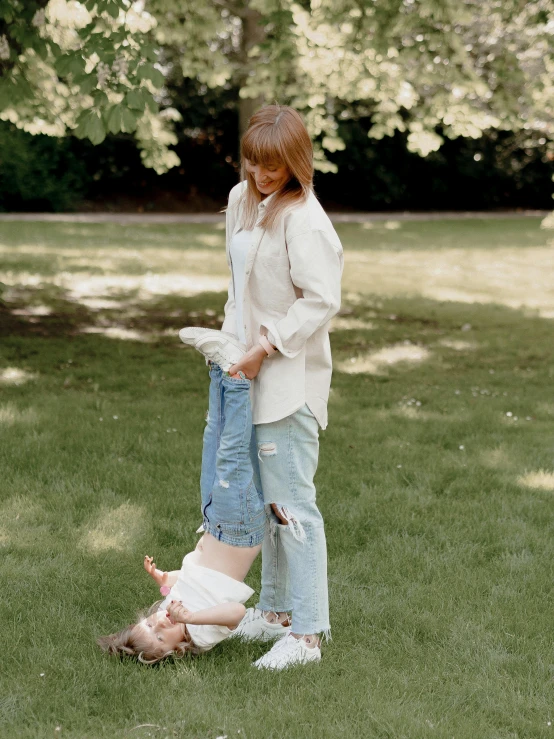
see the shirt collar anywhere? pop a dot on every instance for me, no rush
(262, 205)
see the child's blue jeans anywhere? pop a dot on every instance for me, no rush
(232, 505)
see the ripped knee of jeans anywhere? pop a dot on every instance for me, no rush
(286, 518)
(266, 449)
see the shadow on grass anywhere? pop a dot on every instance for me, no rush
(58, 316)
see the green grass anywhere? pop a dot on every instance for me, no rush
(438, 504)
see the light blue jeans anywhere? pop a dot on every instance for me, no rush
(294, 555)
(232, 503)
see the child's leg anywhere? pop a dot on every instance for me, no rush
(235, 511)
(212, 434)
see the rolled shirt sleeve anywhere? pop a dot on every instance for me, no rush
(316, 263)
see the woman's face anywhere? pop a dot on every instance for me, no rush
(268, 178)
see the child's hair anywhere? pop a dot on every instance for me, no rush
(132, 642)
(276, 135)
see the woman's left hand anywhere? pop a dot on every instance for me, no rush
(251, 362)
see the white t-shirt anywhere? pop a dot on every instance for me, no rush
(199, 587)
(239, 248)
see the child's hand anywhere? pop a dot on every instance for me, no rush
(158, 575)
(179, 613)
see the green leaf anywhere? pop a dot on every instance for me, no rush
(113, 10)
(136, 100)
(21, 90)
(100, 98)
(69, 64)
(41, 49)
(152, 105)
(55, 49)
(83, 115)
(62, 65)
(128, 120)
(6, 92)
(87, 83)
(87, 30)
(95, 129)
(150, 52)
(114, 119)
(80, 132)
(148, 72)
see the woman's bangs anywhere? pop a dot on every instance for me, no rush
(259, 146)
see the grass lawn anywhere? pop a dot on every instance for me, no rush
(436, 481)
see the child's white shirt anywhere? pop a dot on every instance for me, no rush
(199, 587)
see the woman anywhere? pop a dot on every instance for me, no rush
(286, 264)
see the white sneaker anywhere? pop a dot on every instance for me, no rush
(254, 626)
(287, 652)
(217, 346)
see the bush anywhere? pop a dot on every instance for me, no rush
(39, 172)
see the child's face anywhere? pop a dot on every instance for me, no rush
(163, 633)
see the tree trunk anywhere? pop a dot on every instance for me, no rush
(253, 33)
(247, 108)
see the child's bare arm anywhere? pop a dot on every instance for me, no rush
(161, 577)
(225, 614)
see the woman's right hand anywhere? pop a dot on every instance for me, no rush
(250, 363)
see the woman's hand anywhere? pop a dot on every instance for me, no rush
(178, 613)
(158, 575)
(251, 362)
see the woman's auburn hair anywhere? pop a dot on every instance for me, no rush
(276, 136)
(130, 642)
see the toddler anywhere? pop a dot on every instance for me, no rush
(203, 601)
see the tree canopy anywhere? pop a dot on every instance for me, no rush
(84, 68)
(429, 68)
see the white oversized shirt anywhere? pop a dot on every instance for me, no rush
(200, 587)
(241, 244)
(291, 291)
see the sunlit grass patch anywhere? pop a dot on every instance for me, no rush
(115, 529)
(33, 310)
(15, 376)
(118, 332)
(499, 458)
(458, 344)
(505, 262)
(376, 362)
(345, 323)
(540, 480)
(11, 414)
(415, 413)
